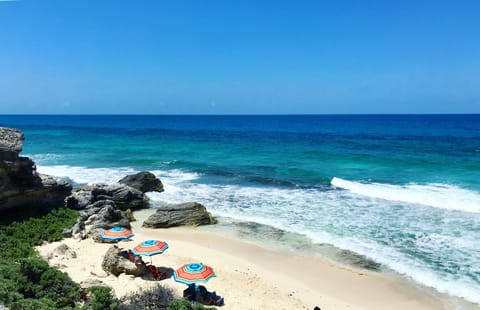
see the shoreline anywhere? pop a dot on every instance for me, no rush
(250, 276)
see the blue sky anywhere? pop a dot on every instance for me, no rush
(242, 57)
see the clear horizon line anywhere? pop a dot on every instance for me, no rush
(230, 114)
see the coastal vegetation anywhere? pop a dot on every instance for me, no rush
(28, 282)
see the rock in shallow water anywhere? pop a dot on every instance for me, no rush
(186, 214)
(143, 181)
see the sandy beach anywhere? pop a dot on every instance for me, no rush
(247, 275)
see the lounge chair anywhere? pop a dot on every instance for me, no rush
(154, 271)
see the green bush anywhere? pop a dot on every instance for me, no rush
(33, 304)
(49, 283)
(102, 299)
(18, 237)
(26, 281)
(158, 297)
(181, 304)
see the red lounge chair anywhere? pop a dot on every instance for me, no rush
(131, 256)
(154, 271)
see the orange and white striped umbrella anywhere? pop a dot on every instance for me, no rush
(150, 247)
(116, 234)
(193, 273)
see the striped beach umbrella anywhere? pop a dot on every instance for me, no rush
(116, 234)
(150, 247)
(193, 273)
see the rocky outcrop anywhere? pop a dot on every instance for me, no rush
(62, 251)
(97, 217)
(189, 214)
(11, 143)
(143, 181)
(103, 206)
(114, 263)
(124, 196)
(20, 184)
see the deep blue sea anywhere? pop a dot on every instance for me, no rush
(403, 190)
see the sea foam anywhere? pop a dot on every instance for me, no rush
(83, 175)
(435, 195)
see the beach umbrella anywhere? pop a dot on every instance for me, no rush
(150, 247)
(193, 273)
(116, 234)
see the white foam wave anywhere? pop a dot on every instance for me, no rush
(83, 175)
(414, 269)
(171, 179)
(435, 195)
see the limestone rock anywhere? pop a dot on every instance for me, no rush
(98, 216)
(143, 181)
(67, 233)
(88, 283)
(85, 286)
(63, 251)
(79, 199)
(116, 264)
(11, 143)
(20, 184)
(124, 196)
(190, 214)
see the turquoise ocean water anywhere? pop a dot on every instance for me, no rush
(402, 190)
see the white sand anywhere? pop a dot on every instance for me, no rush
(248, 276)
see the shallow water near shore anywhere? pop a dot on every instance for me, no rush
(400, 191)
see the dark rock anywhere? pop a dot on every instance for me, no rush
(79, 199)
(67, 233)
(20, 184)
(143, 181)
(129, 215)
(190, 214)
(124, 196)
(114, 263)
(97, 217)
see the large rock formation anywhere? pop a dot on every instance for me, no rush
(190, 214)
(101, 215)
(114, 263)
(143, 181)
(103, 206)
(124, 196)
(20, 184)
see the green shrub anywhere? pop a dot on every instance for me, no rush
(18, 237)
(33, 304)
(158, 297)
(181, 304)
(102, 299)
(26, 281)
(42, 281)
